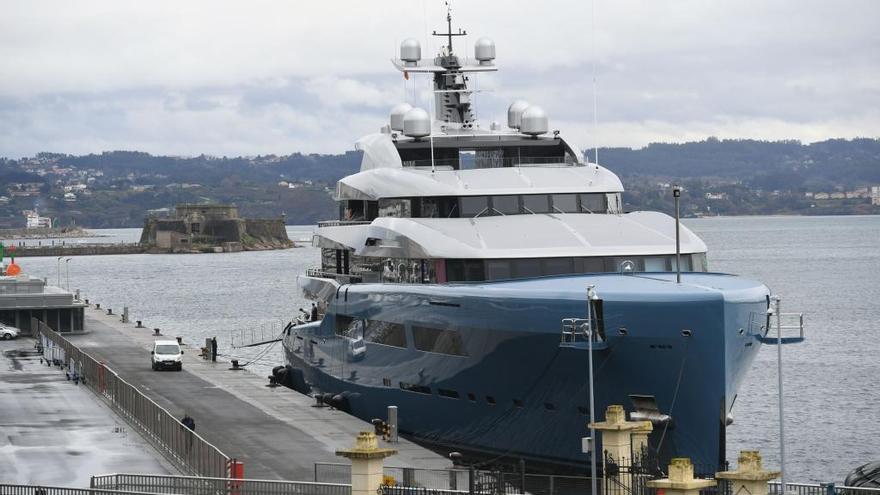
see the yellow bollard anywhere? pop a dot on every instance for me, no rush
(367, 464)
(681, 479)
(749, 476)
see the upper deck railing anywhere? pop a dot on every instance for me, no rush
(341, 223)
(491, 162)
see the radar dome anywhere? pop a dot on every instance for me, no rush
(397, 114)
(514, 113)
(410, 51)
(484, 51)
(417, 123)
(534, 121)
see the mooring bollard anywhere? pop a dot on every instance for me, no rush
(97, 305)
(179, 340)
(140, 324)
(235, 365)
(109, 311)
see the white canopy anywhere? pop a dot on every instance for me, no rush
(514, 236)
(409, 182)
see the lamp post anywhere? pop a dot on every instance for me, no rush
(676, 193)
(776, 299)
(591, 296)
(59, 271)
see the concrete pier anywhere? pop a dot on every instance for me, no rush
(57, 433)
(276, 432)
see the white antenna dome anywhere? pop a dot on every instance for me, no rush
(410, 51)
(484, 51)
(397, 114)
(417, 123)
(534, 121)
(514, 113)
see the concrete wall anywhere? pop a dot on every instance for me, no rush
(268, 229)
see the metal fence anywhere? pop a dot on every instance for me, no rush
(57, 490)
(192, 453)
(455, 480)
(192, 485)
(775, 488)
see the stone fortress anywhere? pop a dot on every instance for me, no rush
(212, 228)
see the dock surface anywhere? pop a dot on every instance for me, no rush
(53, 432)
(276, 432)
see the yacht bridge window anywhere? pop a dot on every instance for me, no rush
(448, 153)
(500, 205)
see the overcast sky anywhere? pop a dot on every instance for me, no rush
(258, 77)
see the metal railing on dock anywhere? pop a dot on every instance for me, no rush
(192, 453)
(59, 490)
(195, 485)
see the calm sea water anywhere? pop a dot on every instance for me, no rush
(827, 267)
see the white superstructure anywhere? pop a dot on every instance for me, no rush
(440, 199)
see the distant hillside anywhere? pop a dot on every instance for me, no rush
(115, 189)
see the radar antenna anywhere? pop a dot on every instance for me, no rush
(449, 34)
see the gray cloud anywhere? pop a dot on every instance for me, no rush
(233, 78)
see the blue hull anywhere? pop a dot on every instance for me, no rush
(516, 392)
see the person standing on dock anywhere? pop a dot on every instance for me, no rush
(188, 422)
(314, 315)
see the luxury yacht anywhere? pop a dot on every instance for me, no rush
(473, 269)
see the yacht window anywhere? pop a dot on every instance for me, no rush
(527, 268)
(498, 270)
(471, 206)
(655, 264)
(685, 263)
(474, 270)
(430, 208)
(536, 203)
(505, 205)
(348, 326)
(400, 208)
(436, 340)
(592, 203)
(565, 203)
(385, 333)
(590, 265)
(419, 389)
(467, 159)
(489, 158)
(558, 266)
(699, 262)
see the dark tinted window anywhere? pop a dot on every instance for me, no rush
(437, 340)
(558, 266)
(536, 203)
(565, 203)
(386, 333)
(592, 203)
(498, 269)
(471, 206)
(505, 205)
(527, 268)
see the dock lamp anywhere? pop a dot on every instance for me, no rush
(591, 296)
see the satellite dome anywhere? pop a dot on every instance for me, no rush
(410, 51)
(534, 121)
(417, 123)
(514, 113)
(397, 114)
(484, 51)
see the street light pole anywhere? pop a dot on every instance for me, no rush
(676, 193)
(591, 296)
(67, 271)
(59, 271)
(777, 299)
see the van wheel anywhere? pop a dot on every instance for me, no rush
(7, 336)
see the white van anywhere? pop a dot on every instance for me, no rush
(167, 354)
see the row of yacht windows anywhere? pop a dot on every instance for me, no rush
(427, 339)
(490, 400)
(417, 271)
(476, 206)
